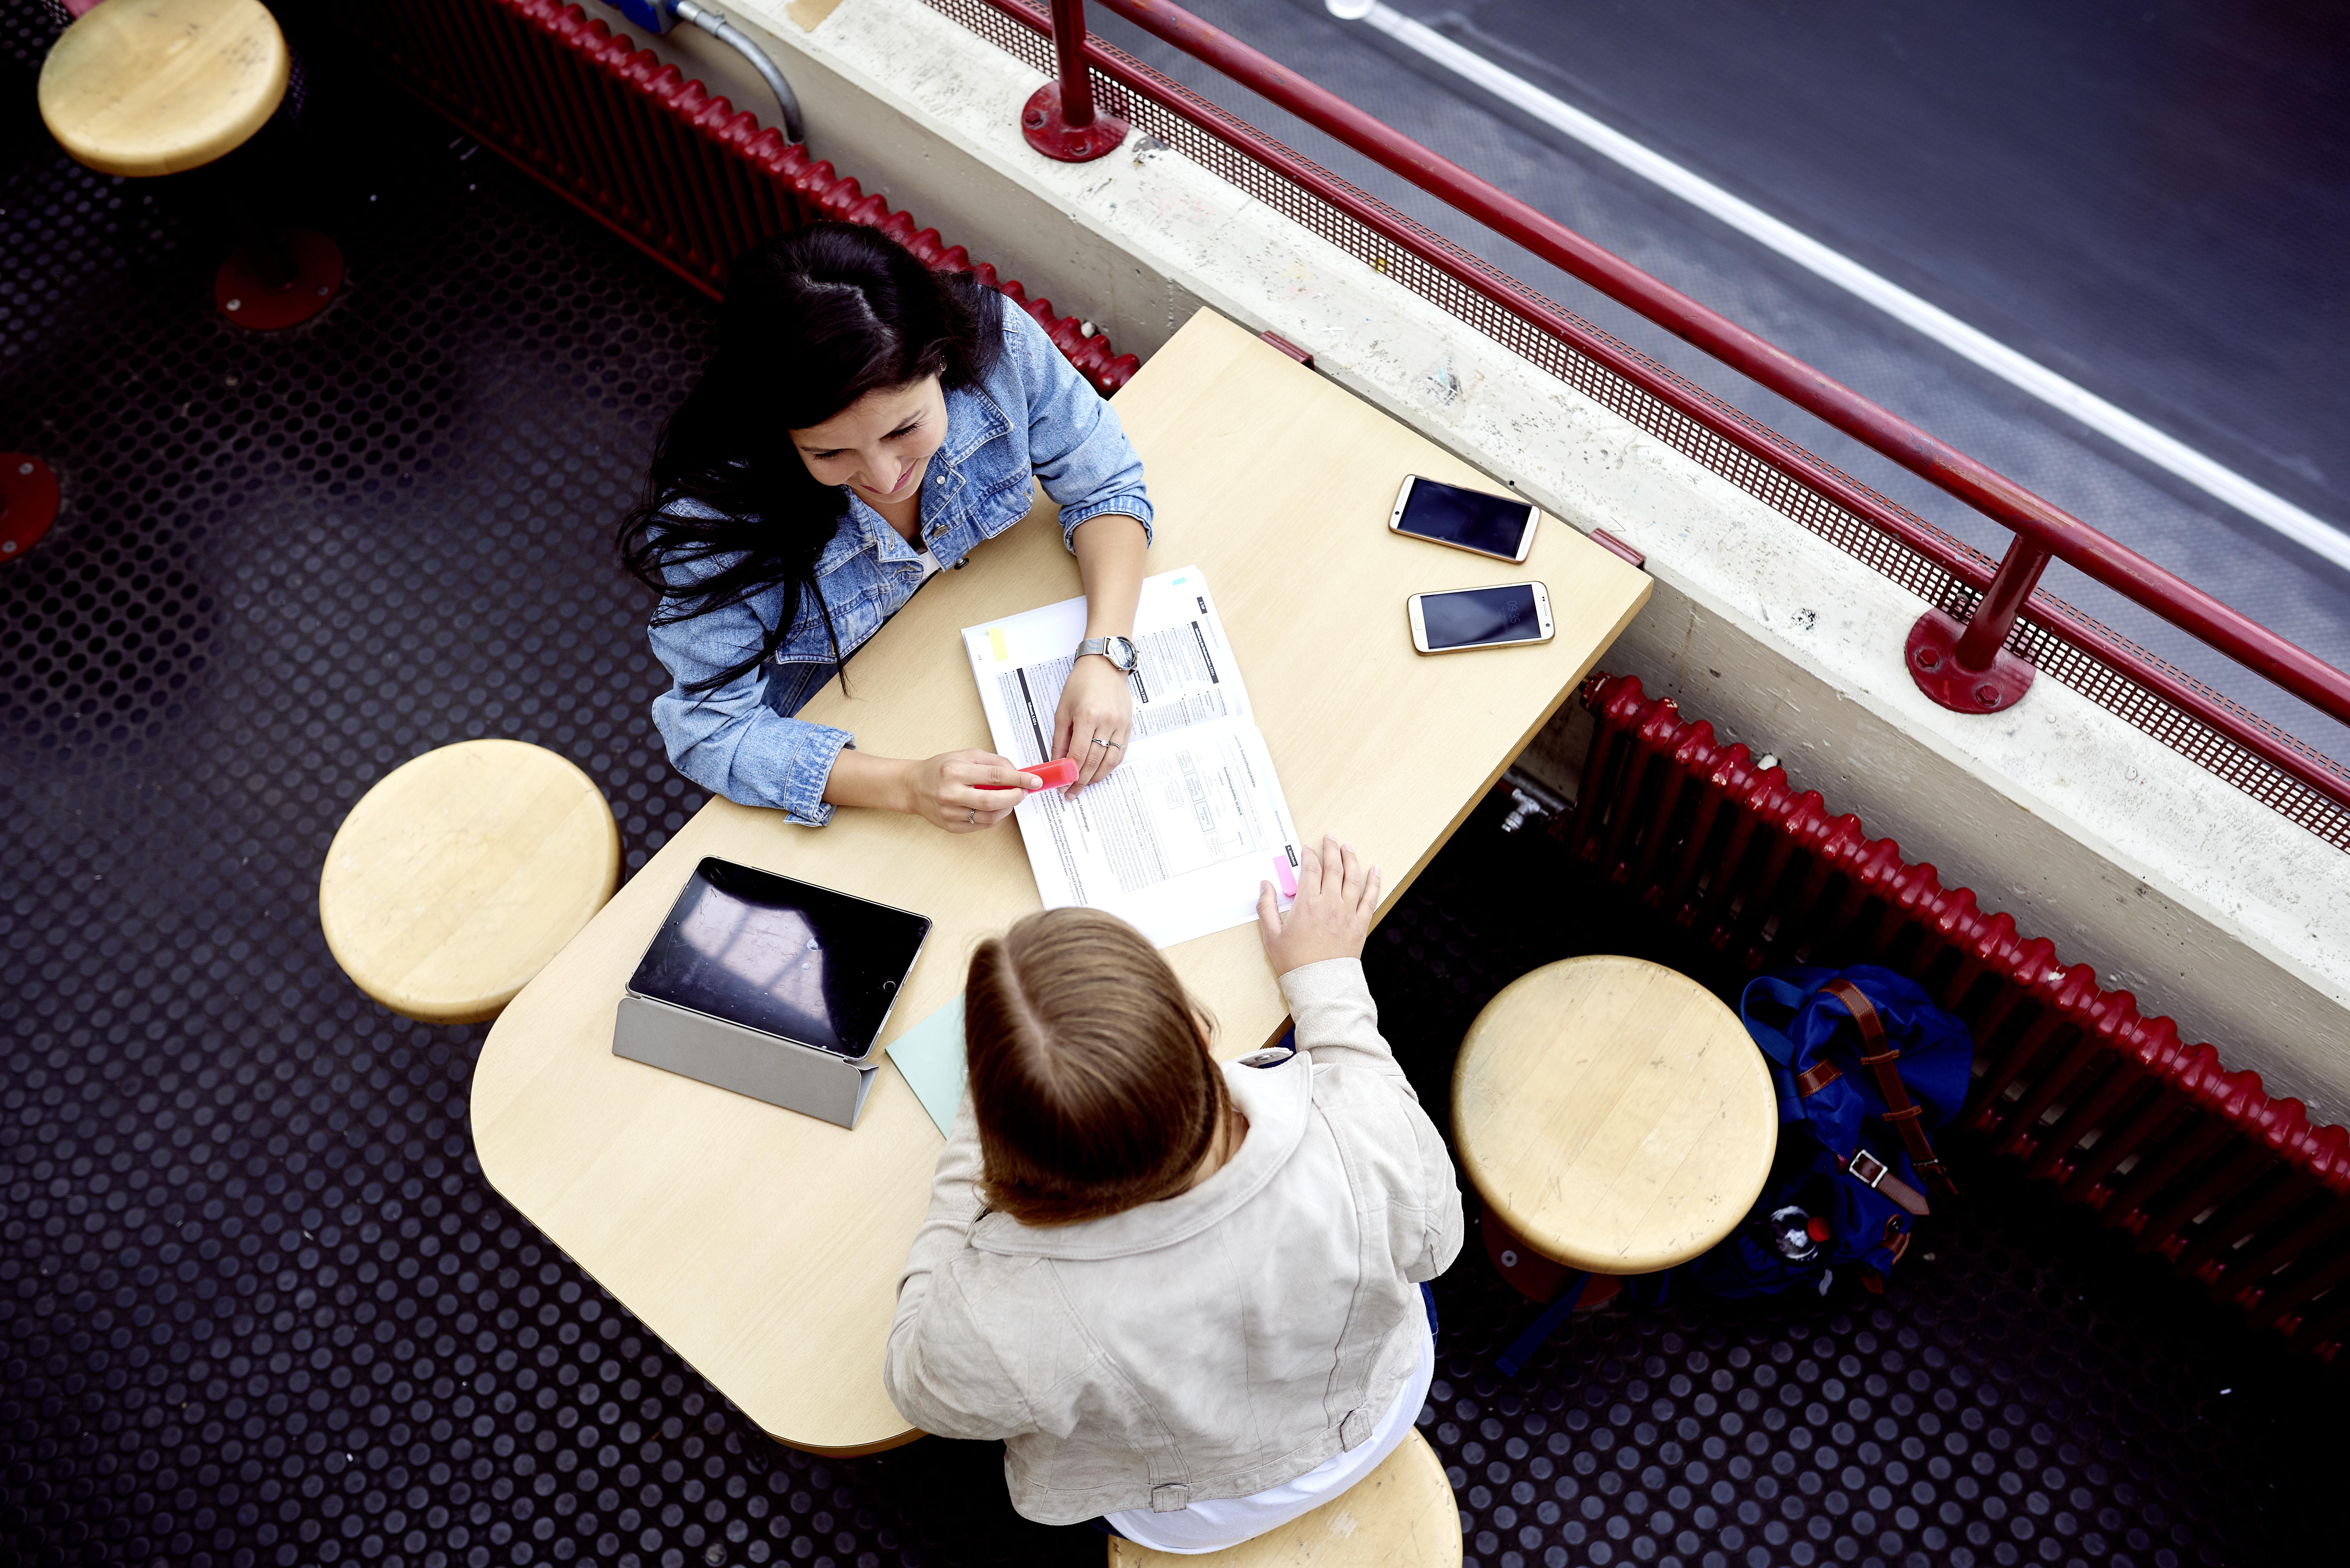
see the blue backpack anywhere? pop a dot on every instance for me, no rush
(1866, 1068)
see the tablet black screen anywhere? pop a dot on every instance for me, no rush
(812, 965)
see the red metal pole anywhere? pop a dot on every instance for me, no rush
(1060, 119)
(1996, 496)
(1994, 617)
(1069, 52)
(1966, 666)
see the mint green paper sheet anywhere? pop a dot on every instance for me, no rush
(929, 1054)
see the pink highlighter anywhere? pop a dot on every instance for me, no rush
(1058, 774)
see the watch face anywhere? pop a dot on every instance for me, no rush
(1119, 650)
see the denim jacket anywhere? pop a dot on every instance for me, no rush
(1032, 417)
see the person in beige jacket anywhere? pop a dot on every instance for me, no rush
(1189, 1298)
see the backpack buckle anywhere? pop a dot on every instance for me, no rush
(1877, 1177)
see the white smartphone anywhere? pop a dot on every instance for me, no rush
(1501, 526)
(1479, 617)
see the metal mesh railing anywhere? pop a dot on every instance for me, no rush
(2064, 643)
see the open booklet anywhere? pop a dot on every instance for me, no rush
(1179, 838)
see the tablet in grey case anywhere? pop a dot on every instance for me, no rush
(770, 987)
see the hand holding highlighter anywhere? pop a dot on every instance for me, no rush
(1058, 774)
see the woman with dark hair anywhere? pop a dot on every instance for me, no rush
(866, 423)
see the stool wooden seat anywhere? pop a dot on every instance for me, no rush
(461, 873)
(1613, 1114)
(143, 87)
(1401, 1515)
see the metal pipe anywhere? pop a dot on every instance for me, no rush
(1060, 119)
(1070, 51)
(2065, 536)
(715, 22)
(1994, 617)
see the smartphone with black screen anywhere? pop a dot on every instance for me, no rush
(1501, 526)
(1479, 617)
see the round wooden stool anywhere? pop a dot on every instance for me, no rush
(1401, 1515)
(146, 87)
(155, 87)
(461, 873)
(1614, 1117)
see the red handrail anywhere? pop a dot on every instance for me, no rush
(2220, 715)
(2290, 667)
(1997, 497)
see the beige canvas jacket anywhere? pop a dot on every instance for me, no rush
(1212, 1345)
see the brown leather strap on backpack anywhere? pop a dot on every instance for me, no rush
(1903, 1114)
(1877, 1177)
(1815, 1077)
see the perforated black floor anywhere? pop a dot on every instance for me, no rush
(257, 1305)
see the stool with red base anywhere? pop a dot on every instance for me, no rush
(1615, 1121)
(163, 87)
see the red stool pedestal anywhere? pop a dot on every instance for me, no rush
(266, 292)
(1534, 1276)
(29, 503)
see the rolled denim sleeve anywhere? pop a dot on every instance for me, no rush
(728, 740)
(1076, 445)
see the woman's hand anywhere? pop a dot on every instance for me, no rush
(1097, 704)
(1337, 897)
(944, 790)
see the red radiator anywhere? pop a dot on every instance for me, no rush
(2236, 1190)
(680, 174)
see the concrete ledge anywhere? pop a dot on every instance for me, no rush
(2179, 888)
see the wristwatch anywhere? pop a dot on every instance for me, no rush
(1119, 650)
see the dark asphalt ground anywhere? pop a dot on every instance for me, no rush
(2151, 200)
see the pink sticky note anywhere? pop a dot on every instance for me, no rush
(1284, 878)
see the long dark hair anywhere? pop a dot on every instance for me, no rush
(813, 321)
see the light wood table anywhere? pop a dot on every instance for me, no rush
(764, 1246)
(1613, 1114)
(143, 87)
(1401, 1515)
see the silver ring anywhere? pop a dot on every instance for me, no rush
(1114, 745)
(1099, 741)
(974, 816)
